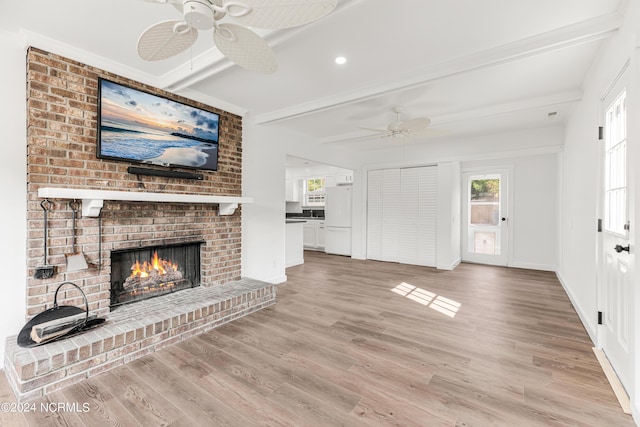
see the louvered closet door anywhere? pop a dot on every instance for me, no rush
(401, 215)
(427, 215)
(408, 238)
(390, 214)
(374, 215)
(417, 227)
(383, 214)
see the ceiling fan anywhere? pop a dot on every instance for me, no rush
(237, 42)
(400, 130)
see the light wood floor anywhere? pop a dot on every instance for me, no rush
(340, 348)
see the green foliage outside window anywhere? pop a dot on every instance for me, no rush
(485, 189)
(315, 192)
(315, 185)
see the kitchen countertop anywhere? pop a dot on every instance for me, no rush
(305, 218)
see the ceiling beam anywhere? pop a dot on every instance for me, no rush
(212, 61)
(551, 101)
(573, 35)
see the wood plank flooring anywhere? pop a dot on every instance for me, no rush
(477, 346)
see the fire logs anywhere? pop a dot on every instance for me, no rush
(153, 274)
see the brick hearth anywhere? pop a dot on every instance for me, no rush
(130, 332)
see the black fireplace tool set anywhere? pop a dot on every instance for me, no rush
(60, 321)
(76, 259)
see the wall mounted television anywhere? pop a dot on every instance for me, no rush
(139, 127)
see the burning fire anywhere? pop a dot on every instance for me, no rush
(157, 266)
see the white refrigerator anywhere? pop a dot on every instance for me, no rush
(337, 220)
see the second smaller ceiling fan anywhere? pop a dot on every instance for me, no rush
(401, 130)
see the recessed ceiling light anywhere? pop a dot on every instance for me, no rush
(340, 60)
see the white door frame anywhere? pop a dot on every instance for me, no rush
(506, 256)
(605, 242)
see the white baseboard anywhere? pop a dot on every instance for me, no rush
(614, 381)
(533, 266)
(277, 280)
(451, 266)
(293, 263)
(584, 317)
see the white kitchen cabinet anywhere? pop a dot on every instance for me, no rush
(338, 179)
(309, 235)
(293, 190)
(293, 244)
(320, 233)
(345, 178)
(329, 181)
(314, 232)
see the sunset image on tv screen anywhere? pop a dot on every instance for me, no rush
(145, 128)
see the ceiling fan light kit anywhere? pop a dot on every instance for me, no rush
(198, 14)
(237, 42)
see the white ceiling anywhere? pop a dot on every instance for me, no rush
(473, 67)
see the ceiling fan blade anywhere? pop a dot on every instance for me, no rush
(413, 125)
(432, 132)
(245, 48)
(274, 14)
(376, 130)
(166, 39)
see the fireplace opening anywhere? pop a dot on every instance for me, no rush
(147, 272)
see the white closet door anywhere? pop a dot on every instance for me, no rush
(408, 239)
(374, 215)
(401, 215)
(427, 215)
(390, 214)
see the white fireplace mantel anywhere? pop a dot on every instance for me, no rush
(93, 200)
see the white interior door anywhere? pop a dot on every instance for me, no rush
(485, 236)
(615, 279)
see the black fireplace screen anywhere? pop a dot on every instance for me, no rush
(142, 273)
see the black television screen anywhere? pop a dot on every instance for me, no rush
(139, 127)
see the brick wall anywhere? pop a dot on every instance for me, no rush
(61, 132)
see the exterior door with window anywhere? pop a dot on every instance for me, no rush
(615, 292)
(485, 236)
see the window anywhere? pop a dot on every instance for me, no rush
(615, 209)
(484, 214)
(314, 191)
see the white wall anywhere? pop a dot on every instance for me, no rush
(580, 183)
(448, 221)
(485, 147)
(13, 173)
(533, 223)
(533, 156)
(263, 177)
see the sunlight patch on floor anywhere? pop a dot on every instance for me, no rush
(434, 301)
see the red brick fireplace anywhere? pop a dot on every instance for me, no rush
(61, 132)
(62, 126)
